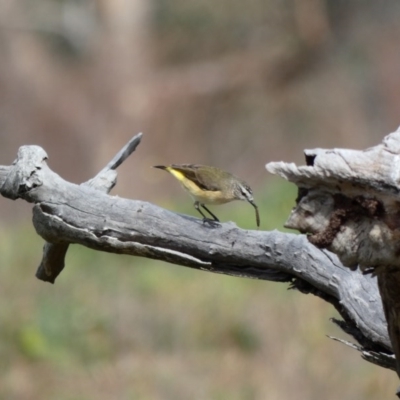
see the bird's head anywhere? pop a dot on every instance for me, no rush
(242, 191)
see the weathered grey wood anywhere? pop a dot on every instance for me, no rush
(53, 260)
(65, 213)
(142, 229)
(349, 203)
(384, 360)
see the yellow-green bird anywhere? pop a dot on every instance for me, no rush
(210, 185)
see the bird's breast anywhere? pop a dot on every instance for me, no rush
(211, 197)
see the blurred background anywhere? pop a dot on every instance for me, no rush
(230, 83)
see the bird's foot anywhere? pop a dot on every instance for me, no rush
(211, 222)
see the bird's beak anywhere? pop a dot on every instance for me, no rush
(257, 213)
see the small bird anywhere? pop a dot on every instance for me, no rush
(210, 185)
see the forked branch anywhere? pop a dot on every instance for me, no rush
(65, 213)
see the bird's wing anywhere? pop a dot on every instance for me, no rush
(202, 177)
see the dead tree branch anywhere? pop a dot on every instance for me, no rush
(65, 213)
(349, 204)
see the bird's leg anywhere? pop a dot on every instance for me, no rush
(205, 219)
(215, 218)
(196, 206)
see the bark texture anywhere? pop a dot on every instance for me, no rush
(349, 203)
(335, 209)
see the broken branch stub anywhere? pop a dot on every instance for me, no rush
(349, 203)
(30, 178)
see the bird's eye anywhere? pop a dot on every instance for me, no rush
(246, 192)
